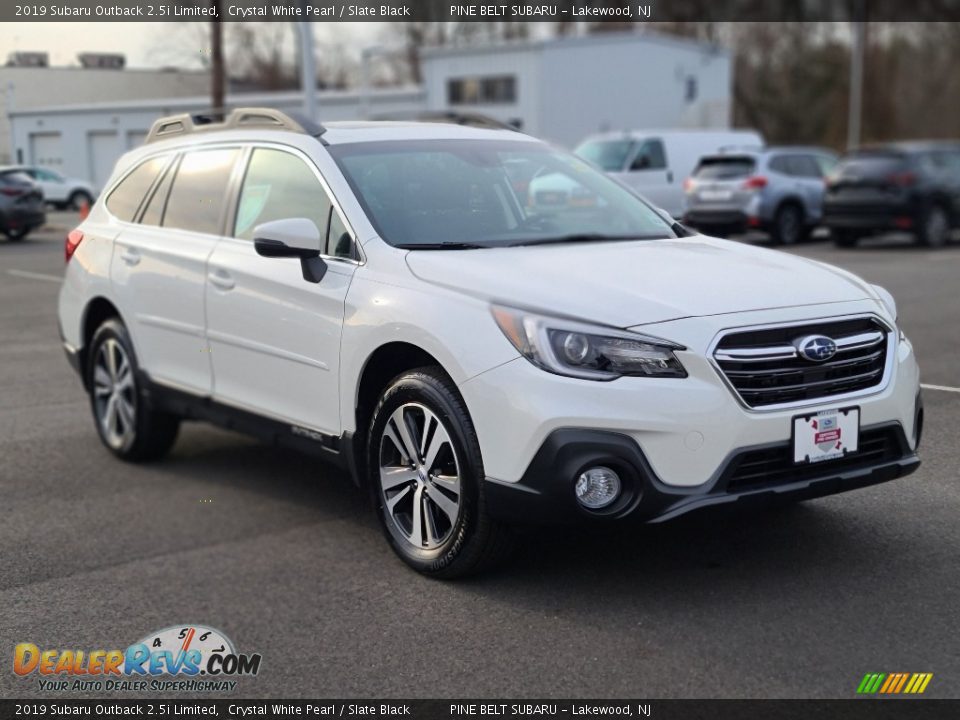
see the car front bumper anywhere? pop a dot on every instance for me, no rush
(545, 493)
(677, 439)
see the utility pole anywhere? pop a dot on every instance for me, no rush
(856, 79)
(217, 99)
(308, 70)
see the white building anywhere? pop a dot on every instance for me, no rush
(559, 89)
(31, 89)
(566, 88)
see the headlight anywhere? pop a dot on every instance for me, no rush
(567, 347)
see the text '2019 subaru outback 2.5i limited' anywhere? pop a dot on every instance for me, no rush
(386, 295)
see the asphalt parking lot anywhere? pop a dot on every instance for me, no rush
(282, 554)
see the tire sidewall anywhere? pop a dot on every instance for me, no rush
(938, 240)
(116, 330)
(783, 213)
(428, 390)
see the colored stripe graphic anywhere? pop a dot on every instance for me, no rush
(894, 683)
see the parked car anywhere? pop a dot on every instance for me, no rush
(61, 192)
(378, 295)
(655, 162)
(778, 190)
(910, 186)
(21, 204)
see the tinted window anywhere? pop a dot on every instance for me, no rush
(441, 191)
(197, 196)
(339, 243)
(125, 198)
(279, 185)
(46, 175)
(872, 165)
(725, 168)
(804, 166)
(609, 155)
(154, 212)
(826, 163)
(650, 156)
(781, 164)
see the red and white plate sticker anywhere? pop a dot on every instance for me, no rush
(827, 435)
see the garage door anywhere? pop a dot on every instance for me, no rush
(45, 149)
(103, 149)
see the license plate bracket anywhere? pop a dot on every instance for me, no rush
(825, 435)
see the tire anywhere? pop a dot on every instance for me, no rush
(432, 506)
(934, 227)
(131, 430)
(18, 234)
(77, 198)
(788, 225)
(844, 238)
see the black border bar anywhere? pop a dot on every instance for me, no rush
(621, 12)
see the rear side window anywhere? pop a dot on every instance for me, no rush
(158, 200)
(725, 168)
(804, 166)
(126, 197)
(199, 189)
(279, 185)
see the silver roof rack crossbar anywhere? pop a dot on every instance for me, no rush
(223, 119)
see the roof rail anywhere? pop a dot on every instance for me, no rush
(223, 119)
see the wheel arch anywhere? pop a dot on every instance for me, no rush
(382, 365)
(97, 311)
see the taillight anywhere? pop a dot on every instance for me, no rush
(755, 182)
(12, 191)
(74, 238)
(903, 179)
(688, 185)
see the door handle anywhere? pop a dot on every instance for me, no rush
(669, 176)
(130, 256)
(222, 279)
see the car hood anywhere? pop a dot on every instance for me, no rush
(639, 282)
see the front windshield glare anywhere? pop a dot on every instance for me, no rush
(489, 193)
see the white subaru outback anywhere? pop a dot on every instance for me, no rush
(419, 303)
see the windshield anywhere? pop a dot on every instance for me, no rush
(724, 168)
(489, 193)
(609, 155)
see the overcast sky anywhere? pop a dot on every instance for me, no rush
(144, 44)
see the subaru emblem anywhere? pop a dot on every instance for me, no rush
(816, 348)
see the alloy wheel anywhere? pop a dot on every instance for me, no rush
(114, 393)
(419, 476)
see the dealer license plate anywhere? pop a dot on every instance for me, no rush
(826, 435)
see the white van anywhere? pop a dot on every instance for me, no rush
(656, 162)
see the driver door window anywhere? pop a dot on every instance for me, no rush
(279, 185)
(650, 156)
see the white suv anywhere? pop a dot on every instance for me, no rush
(388, 296)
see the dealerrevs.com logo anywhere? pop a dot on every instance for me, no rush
(198, 657)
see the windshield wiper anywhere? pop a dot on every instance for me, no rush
(441, 246)
(583, 237)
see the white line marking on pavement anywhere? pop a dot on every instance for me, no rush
(35, 276)
(945, 388)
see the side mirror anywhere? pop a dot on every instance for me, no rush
(292, 238)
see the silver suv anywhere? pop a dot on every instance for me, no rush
(778, 190)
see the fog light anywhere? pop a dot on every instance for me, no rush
(597, 487)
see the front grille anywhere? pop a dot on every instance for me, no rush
(766, 467)
(764, 367)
